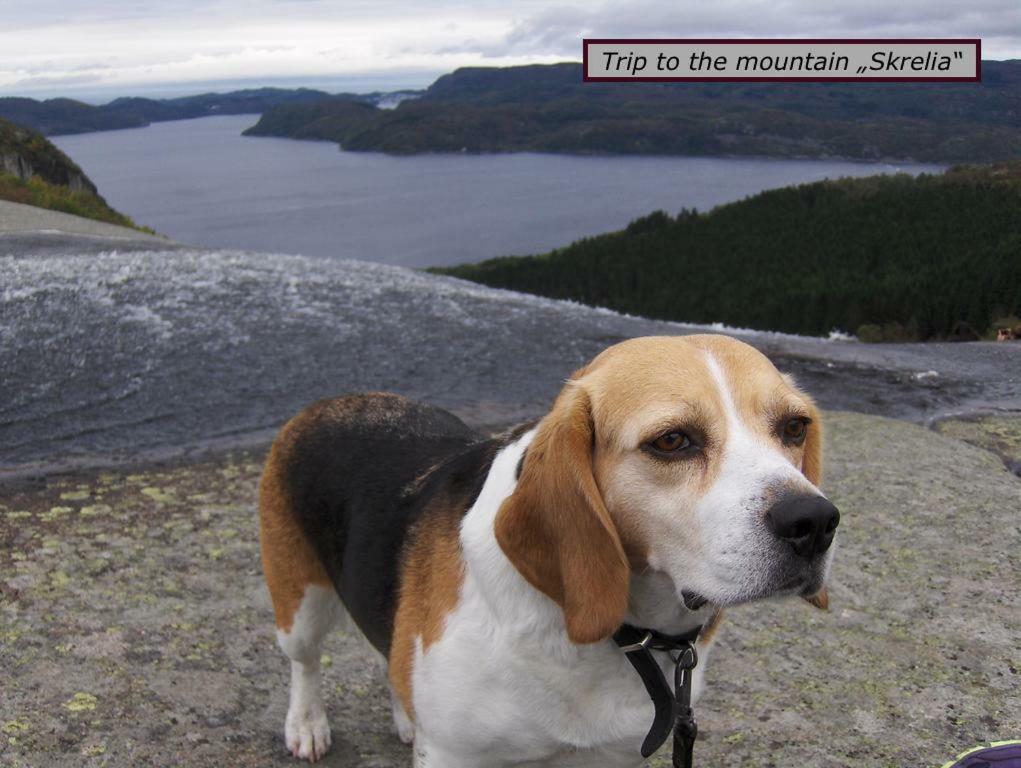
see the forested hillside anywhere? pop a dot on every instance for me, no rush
(894, 257)
(547, 108)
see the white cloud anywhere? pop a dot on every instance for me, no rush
(146, 45)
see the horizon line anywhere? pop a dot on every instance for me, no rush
(360, 84)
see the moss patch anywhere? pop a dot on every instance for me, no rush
(1000, 434)
(54, 197)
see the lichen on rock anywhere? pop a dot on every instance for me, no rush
(136, 630)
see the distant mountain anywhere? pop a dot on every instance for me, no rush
(889, 257)
(64, 116)
(34, 172)
(547, 108)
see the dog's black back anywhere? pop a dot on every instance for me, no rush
(359, 472)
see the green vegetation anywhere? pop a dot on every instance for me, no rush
(894, 256)
(34, 172)
(550, 109)
(25, 153)
(42, 194)
(323, 120)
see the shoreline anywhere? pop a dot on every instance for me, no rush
(732, 156)
(946, 164)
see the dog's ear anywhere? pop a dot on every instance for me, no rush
(820, 599)
(811, 462)
(811, 468)
(556, 530)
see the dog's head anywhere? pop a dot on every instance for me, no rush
(690, 456)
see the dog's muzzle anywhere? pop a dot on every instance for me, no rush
(806, 522)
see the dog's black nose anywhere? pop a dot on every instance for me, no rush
(807, 522)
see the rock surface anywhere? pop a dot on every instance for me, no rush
(134, 627)
(126, 351)
(42, 230)
(1000, 434)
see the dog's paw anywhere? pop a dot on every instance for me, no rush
(403, 727)
(307, 734)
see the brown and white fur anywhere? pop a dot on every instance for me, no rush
(491, 574)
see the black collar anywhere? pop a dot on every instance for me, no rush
(673, 707)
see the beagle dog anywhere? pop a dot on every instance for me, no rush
(673, 476)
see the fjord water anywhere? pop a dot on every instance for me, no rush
(201, 182)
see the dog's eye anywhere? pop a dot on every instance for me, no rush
(794, 430)
(671, 442)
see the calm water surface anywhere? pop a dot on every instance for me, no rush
(201, 182)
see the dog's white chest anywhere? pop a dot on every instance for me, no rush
(486, 699)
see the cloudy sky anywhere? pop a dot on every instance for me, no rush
(98, 49)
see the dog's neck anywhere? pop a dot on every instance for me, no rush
(656, 604)
(492, 583)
